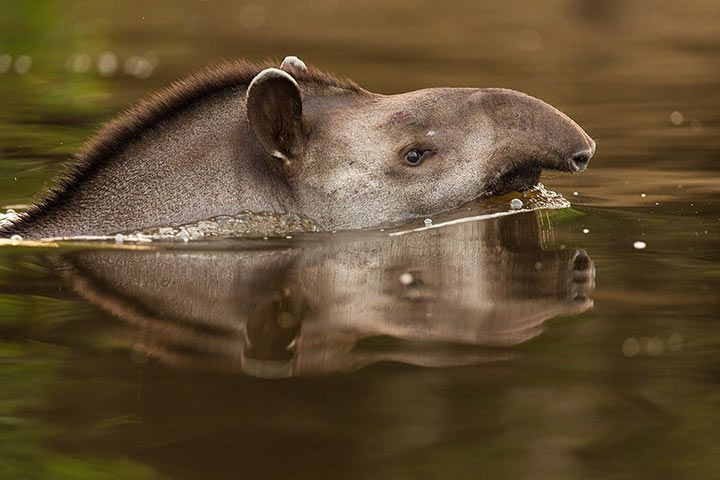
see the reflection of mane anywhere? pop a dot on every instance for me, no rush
(116, 135)
(476, 290)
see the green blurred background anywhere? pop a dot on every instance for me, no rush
(643, 78)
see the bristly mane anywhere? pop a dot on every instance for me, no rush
(114, 136)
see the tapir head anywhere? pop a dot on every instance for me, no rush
(359, 158)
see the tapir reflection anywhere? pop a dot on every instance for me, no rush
(455, 295)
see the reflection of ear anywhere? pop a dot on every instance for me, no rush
(293, 63)
(274, 110)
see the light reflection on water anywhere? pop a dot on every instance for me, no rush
(457, 351)
(306, 311)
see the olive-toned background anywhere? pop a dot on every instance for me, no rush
(628, 389)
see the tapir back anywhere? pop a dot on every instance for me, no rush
(198, 163)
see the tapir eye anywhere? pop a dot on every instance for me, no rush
(416, 156)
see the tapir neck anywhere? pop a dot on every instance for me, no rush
(199, 163)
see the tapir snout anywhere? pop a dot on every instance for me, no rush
(530, 135)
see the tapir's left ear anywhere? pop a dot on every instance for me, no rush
(274, 110)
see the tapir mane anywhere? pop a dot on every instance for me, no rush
(112, 138)
(183, 94)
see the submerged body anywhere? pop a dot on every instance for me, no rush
(292, 140)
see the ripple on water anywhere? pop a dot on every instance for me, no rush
(271, 224)
(256, 224)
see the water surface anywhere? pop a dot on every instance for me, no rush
(557, 343)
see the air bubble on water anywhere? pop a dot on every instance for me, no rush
(575, 193)
(289, 237)
(5, 63)
(639, 245)
(516, 204)
(630, 347)
(22, 64)
(696, 126)
(406, 278)
(586, 230)
(676, 118)
(10, 212)
(16, 238)
(643, 195)
(538, 265)
(254, 224)
(428, 221)
(119, 238)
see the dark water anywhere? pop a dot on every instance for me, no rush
(538, 345)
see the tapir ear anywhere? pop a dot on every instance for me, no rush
(292, 63)
(274, 110)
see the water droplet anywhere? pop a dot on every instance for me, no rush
(639, 245)
(676, 118)
(406, 278)
(586, 230)
(575, 193)
(696, 126)
(643, 195)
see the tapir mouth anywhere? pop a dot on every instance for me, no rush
(516, 178)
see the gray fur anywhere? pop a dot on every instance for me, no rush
(313, 145)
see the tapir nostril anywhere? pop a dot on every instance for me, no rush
(579, 161)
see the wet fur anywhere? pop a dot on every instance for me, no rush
(183, 94)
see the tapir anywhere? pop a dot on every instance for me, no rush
(242, 137)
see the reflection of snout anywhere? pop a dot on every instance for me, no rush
(582, 276)
(579, 160)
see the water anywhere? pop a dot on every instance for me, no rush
(541, 344)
